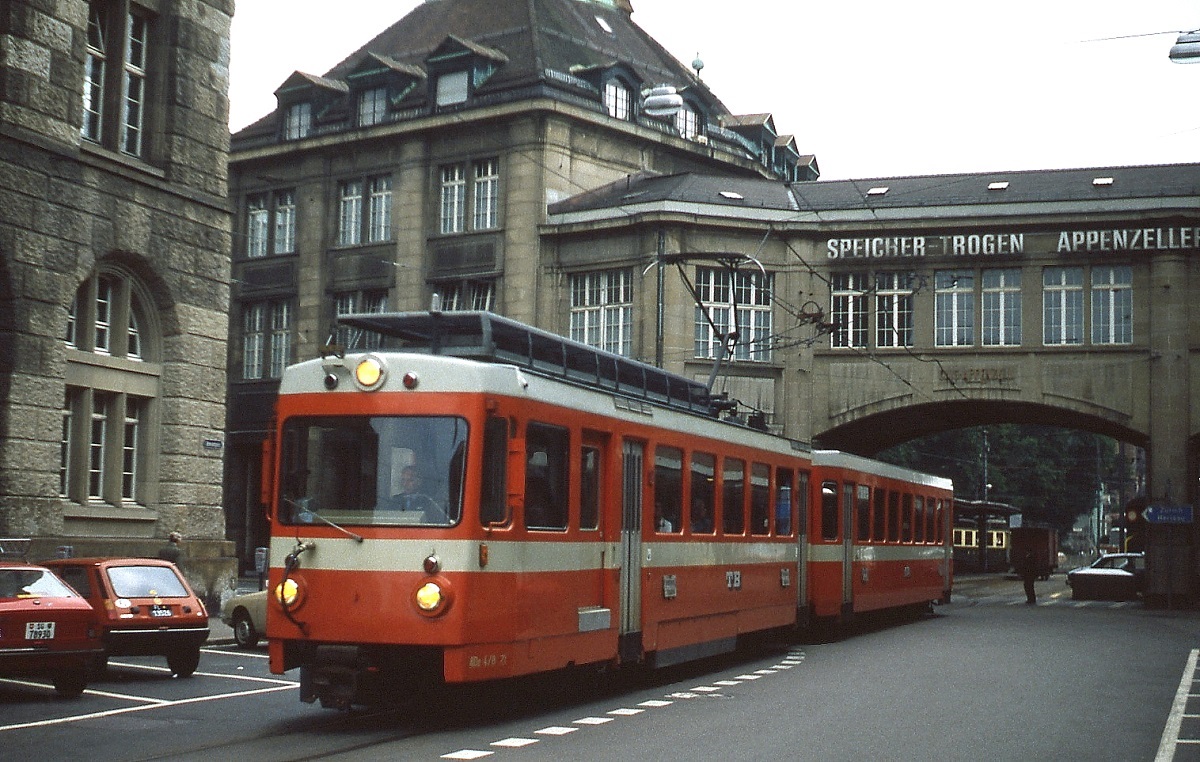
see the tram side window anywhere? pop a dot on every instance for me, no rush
(879, 530)
(906, 518)
(760, 498)
(733, 496)
(863, 509)
(493, 500)
(704, 469)
(893, 534)
(783, 502)
(918, 519)
(546, 449)
(668, 489)
(589, 487)
(829, 510)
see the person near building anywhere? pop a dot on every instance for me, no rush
(170, 551)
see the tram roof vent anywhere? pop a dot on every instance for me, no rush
(489, 337)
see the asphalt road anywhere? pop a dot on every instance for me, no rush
(986, 677)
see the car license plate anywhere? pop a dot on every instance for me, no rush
(39, 630)
(160, 611)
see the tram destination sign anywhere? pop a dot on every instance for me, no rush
(1168, 514)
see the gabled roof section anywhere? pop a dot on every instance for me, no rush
(454, 47)
(374, 63)
(746, 122)
(299, 81)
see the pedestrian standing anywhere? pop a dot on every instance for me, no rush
(1027, 568)
(170, 551)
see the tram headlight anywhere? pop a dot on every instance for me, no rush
(429, 596)
(290, 593)
(370, 372)
(433, 597)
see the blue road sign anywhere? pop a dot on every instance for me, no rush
(1168, 514)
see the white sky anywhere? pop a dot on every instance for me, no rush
(873, 88)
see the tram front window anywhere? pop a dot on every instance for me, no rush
(373, 471)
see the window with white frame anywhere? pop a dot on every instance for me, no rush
(602, 310)
(270, 223)
(733, 301)
(487, 186)
(467, 295)
(116, 75)
(266, 339)
(350, 209)
(379, 209)
(894, 309)
(848, 310)
(376, 194)
(372, 106)
(102, 456)
(1112, 305)
(954, 308)
(453, 199)
(1062, 306)
(617, 99)
(297, 121)
(687, 122)
(353, 302)
(484, 196)
(1001, 291)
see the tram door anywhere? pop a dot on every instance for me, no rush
(847, 521)
(632, 468)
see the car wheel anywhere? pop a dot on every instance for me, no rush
(184, 663)
(69, 684)
(244, 633)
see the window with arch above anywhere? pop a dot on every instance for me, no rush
(112, 388)
(106, 318)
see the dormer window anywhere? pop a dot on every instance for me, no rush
(452, 88)
(372, 106)
(617, 99)
(297, 121)
(687, 122)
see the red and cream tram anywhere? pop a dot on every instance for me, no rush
(489, 500)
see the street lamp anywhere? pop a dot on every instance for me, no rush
(1187, 48)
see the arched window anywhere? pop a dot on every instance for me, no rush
(112, 389)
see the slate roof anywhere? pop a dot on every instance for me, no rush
(1171, 181)
(534, 36)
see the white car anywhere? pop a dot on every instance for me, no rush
(1115, 576)
(247, 615)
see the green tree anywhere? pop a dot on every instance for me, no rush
(1050, 474)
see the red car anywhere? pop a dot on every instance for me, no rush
(45, 628)
(143, 607)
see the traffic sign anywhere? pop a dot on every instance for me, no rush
(1168, 514)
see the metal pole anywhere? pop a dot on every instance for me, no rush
(658, 337)
(983, 511)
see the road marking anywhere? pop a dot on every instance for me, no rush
(144, 707)
(1170, 737)
(795, 656)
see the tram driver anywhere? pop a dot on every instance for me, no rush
(412, 495)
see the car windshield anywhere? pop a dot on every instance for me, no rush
(373, 471)
(31, 583)
(145, 582)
